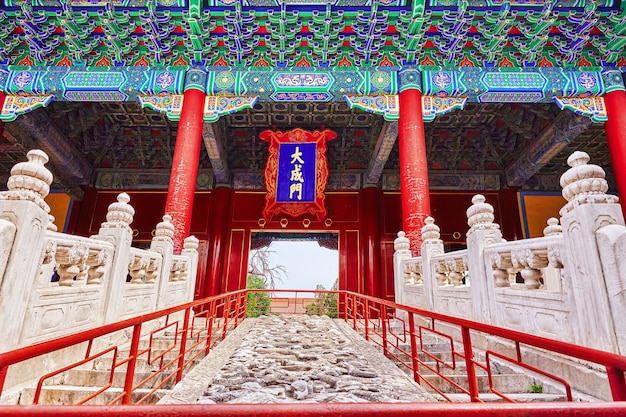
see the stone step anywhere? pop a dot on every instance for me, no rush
(67, 395)
(96, 378)
(445, 356)
(510, 383)
(104, 363)
(517, 397)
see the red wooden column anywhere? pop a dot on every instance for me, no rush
(413, 164)
(184, 174)
(615, 129)
(370, 223)
(2, 98)
(219, 227)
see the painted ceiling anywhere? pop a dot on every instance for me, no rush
(116, 145)
(472, 149)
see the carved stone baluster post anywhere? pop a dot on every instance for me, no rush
(416, 273)
(137, 269)
(441, 274)
(500, 265)
(530, 263)
(190, 249)
(589, 209)
(401, 252)
(409, 274)
(163, 243)
(153, 270)
(552, 274)
(117, 230)
(96, 261)
(456, 274)
(72, 264)
(482, 233)
(432, 245)
(24, 220)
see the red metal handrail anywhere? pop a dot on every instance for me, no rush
(369, 315)
(358, 308)
(180, 328)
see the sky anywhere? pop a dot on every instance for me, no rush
(307, 264)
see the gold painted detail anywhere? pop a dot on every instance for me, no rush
(17, 105)
(592, 107)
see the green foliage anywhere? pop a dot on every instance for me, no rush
(325, 304)
(258, 303)
(536, 388)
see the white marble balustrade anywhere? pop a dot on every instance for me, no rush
(53, 284)
(568, 285)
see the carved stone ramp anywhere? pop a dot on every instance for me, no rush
(294, 358)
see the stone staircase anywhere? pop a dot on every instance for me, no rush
(74, 385)
(514, 382)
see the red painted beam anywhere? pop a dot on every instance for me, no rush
(336, 410)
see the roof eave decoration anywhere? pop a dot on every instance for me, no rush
(217, 106)
(386, 106)
(433, 106)
(314, 34)
(214, 106)
(172, 106)
(17, 105)
(592, 107)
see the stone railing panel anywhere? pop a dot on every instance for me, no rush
(413, 271)
(530, 257)
(7, 234)
(414, 291)
(178, 280)
(69, 294)
(451, 268)
(451, 289)
(141, 289)
(612, 247)
(541, 304)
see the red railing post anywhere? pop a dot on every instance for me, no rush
(366, 319)
(210, 318)
(345, 304)
(354, 312)
(383, 322)
(132, 364)
(245, 304)
(3, 376)
(237, 305)
(617, 383)
(226, 314)
(183, 346)
(468, 352)
(414, 352)
(295, 303)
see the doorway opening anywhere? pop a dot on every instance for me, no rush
(292, 260)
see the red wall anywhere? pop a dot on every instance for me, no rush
(223, 221)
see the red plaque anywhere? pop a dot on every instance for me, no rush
(296, 173)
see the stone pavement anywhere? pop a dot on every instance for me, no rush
(295, 358)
